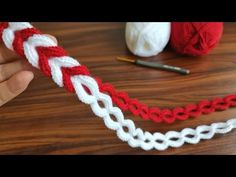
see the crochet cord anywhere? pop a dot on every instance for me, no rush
(53, 61)
(121, 99)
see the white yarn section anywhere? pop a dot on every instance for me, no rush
(34, 41)
(113, 116)
(147, 39)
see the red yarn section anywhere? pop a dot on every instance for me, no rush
(68, 72)
(20, 37)
(49, 52)
(121, 99)
(195, 38)
(124, 102)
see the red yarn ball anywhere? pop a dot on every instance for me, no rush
(195, 38)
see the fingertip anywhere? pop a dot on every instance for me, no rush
(20, 81)
(27, 75)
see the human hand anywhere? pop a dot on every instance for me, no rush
(15, 74)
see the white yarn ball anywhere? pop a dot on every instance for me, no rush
(147, 39)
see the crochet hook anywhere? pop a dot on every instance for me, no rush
(155, 65)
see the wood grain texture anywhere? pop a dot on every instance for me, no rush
(46, 119)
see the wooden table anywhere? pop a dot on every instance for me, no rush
(46, 119)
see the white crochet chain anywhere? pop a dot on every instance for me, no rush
(135, 137)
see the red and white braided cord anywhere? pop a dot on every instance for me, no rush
(53, 61)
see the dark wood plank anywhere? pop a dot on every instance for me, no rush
(46, 119)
